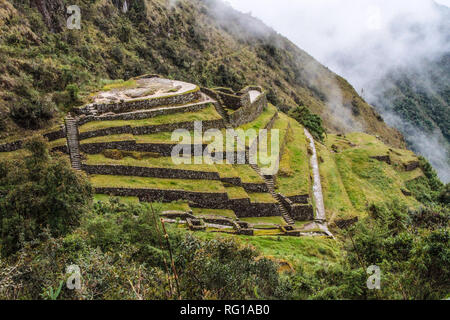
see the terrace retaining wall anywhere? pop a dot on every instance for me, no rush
(144, 114)
(249, 112)
(165, 173)
(163, 149)
(210, 200)
(206, 125)
(298, 212)
(127, 106)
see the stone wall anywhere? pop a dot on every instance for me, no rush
(209, 124)
(385, 159)
(298, 212)
(248, 113)
(302, 212)
(208, 200)
(255, 187)
(300, 199)
(231, 101)
(128, 106)
(413, 165)
(163, 149)
(11, 146)
(55, 135)
(346, 223)
(245, 209)
(144, 114)
(250, 88)
(164, 173)
(16, 145)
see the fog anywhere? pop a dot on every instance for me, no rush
(363, 41)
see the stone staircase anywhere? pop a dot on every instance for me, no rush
(92, 110)
(220, 110)
(271, 187)
(73, 142)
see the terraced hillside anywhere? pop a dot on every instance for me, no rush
(47, 69)
(123, 141)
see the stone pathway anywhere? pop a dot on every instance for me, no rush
(271, 187)
(320, 214)
(73, 142)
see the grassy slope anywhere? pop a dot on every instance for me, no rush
(306, 252)
(187, 41)
(351, 180)
(156, 183)
(294, 176)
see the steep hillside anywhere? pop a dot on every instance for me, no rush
(46, 68)
(417, 99)
(124, 140)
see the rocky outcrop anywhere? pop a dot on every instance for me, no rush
(385, 159)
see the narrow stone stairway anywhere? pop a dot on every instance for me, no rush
(271, 187)
(73, 142)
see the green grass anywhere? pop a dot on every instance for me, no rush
(120, 84)
(206, 114)
(369, 181)
(261, 198)
(166, 162)
(236, 193)
(57, 143)
(110, 181)
(227, 171)
(275, 220)
(214, 213)
(105, 198)
(294, 175)
(110, 138)
(307, 252)
(263, 119)
(160, 137)
(172, 206)
(18, 154)
(336, 200)
(282, 125)
(247, 174)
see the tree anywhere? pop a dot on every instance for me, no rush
(36, 192)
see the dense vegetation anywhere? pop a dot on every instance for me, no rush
(420, 97)
(123, 253)
(48, 220)
(309, 120)
(46, 68)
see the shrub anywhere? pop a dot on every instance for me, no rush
(39, 191)
(32, 113)
(309, 120)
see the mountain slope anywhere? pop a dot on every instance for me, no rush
(417, 100)
(46, 67)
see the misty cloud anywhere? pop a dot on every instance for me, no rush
(364, 41)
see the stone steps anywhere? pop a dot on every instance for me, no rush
(73, 142)
(271, 186)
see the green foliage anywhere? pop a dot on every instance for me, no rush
(36, 192)
(32, 113)
(309, 120)
(428, 189)
(224, 269)
(411, 248)
(433, 180)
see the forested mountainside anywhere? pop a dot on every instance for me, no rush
(383, 205)
(46, 68)
(418, 98)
